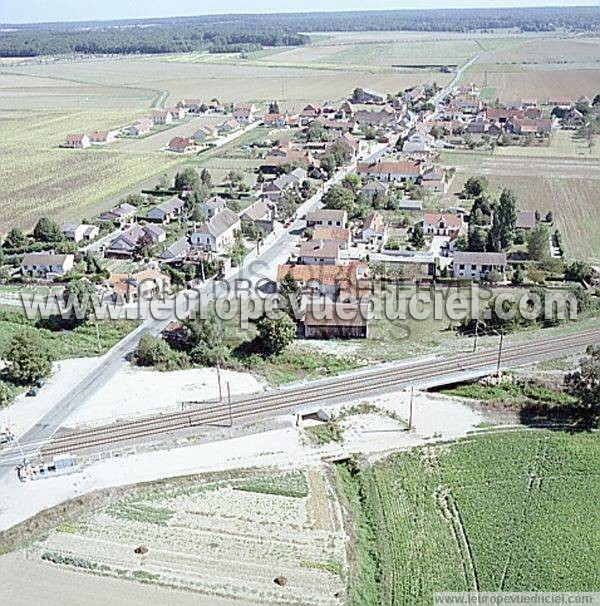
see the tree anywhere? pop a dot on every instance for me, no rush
(235, 178)
(461, 244)
(15, 239)
(273, 107)
(584, 384)
(476, 239)
(187, 179)
(205, 340)
(206, 178)
(275, 334)
(417, 239)
(80, 296)
(316, 132)
(517, 276)
(198, 215)
(475, 186)
(29, 358)
(505, 218)
(579, 271)
(358, 95)
(352, 181)
(341, 198)
(7, 394)
(290, 291)
(152, 351)
(47, 230)
(537, 242)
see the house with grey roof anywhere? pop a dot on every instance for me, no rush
(125, 244)
(166, 211)
(176, 251)
(261, 214)
(213, 205)
(218, 232)
(46, 265)
(119, 214)
(477, 265)
(375, 188)
(526, 219)
(76, 232)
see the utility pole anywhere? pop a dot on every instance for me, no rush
(476, 331)
(500, 354)
(229, 401)
(219, 380)
(98, 336)
(410, 412)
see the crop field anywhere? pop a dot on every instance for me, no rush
(539, 67)
(505, 512)
(567, 187)
(41, 179)
(229, 539)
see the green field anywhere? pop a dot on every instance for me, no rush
(505, 512)
(559, 178)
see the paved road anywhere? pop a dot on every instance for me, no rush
(254, 267)
(441, 96)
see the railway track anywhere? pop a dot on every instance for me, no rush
(287, 400)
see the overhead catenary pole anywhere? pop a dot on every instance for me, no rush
(499, 354)
(476, 335)
(219, 381)
(229, 401)
(410, 410)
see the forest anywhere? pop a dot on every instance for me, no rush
(236, 33)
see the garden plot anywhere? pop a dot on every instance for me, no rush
(230, 539)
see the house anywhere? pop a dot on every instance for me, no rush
(142, 285)
(335, 321)
(477, 265)
(218, 232)
(374, 189)
(310, 112)
(77, 141)
(176, 251)
(277, 120)
(166, 211)
(213, 205)
(119, 214)
(319, 252)
(261, 214)
(102, 137)
(368, 95)
(405, 204)
(181, 145)
(229, 126)
(46, 265)
(192, 106)
(434, 180)
(347, 109)
(526, 103)
(243, 115)
(402, 171)
(76, 232)
(329, 280)
(442, 224)
(272, 190)
(126, 243)
(327, 218)
(526, 126)
(526, 219)
(339, 235)
(382, 118)
(418, 142)
(161, 117)
(249, 107)
(374, 230)
(140, 127)
(206, 131)
(560, 102)
(177, 113)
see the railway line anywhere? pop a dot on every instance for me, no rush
(283, 401)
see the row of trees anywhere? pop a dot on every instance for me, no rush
(162, 38)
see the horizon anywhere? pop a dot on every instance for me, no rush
(14, 12)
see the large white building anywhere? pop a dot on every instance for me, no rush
(477, 265)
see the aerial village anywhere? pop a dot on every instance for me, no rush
(359, 180)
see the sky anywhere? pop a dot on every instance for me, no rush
(29, 11)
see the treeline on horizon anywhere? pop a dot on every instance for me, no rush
(239, 33)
